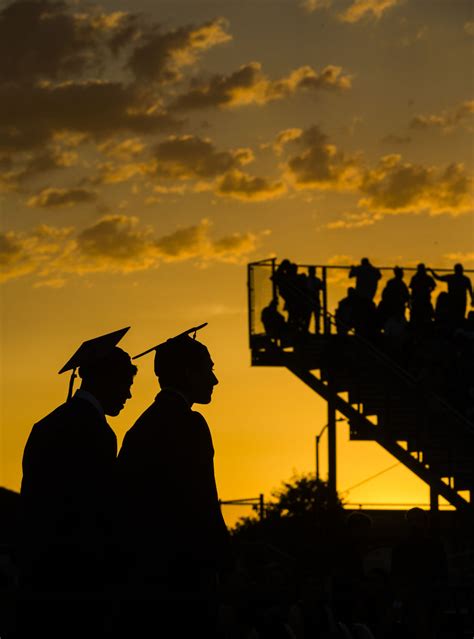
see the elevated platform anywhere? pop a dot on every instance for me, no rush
(375, 385)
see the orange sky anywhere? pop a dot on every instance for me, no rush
(148, 151)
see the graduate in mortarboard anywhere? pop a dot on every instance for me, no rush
(68, 473)
(177, 535)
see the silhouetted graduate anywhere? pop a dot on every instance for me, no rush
(177, 539)
(68, 470)
(459, 285)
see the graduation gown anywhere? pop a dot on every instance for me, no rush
(68, 469)
(176, 531)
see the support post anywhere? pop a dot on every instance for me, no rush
(332, 454)
(261, 507)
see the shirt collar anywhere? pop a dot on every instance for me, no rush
(89, 397)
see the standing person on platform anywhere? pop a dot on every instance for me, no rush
(177, 539)
(459, 285)
(367, 277)
(67, 497)
(421, 287)
(314, 286)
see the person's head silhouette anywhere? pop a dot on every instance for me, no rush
(106, 371)
(458, 269)
(421, 268)
(109, 379)
(184, 364)
(398, 272)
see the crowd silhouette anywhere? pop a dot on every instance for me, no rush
(431, 339)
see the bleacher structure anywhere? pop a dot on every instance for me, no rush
(382, 401)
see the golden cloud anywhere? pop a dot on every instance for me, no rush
(447, 120)
(54, 197)
(115, 244)
(241, 186)
(397, 187)
(321, 165)
(159, 56)
(248, 85)
(192, 157)
(313, 5)
(361, 8)
(111, 108)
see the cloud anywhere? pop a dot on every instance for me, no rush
(288, 135)
(321, 165)
(469, 28)
(248, 85)
(362, 8)
(401, 187)
(313, 5)
(34, 252)
(112, 108)
(355, 220)
(446, 120)
(192, 157)
(159, 56)
(114, 244)
(464, 258)
(241, 186)
(47, 40)
(53, 197)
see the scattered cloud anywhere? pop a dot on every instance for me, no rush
(159, 56)
(241, 186)
(362, 8)
(464, 258)
(249, 85)
(191, 157)
(33, 116)
(114, 244)
(55, 198)
(469, 28)
(321, 165)
(288, 135)
(446, 120)
(355, 220)
(314, 5)
(400, 187)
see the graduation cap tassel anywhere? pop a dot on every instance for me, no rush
(71, 383)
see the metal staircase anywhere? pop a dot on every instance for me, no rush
(381, 400)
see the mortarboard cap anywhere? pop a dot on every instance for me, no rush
(94, 350)
(171, 355)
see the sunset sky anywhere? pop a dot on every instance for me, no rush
(150, 150)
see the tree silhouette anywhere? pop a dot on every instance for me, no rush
(301, 521)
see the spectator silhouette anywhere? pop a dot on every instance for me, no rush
(314, 287)
(459, 285)
(273, 321)
(177, 535)
(421, 286)
(67, 494)
(367, 277)
(346, 312)
(395, 297)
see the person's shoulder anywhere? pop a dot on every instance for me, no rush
(71, 411)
